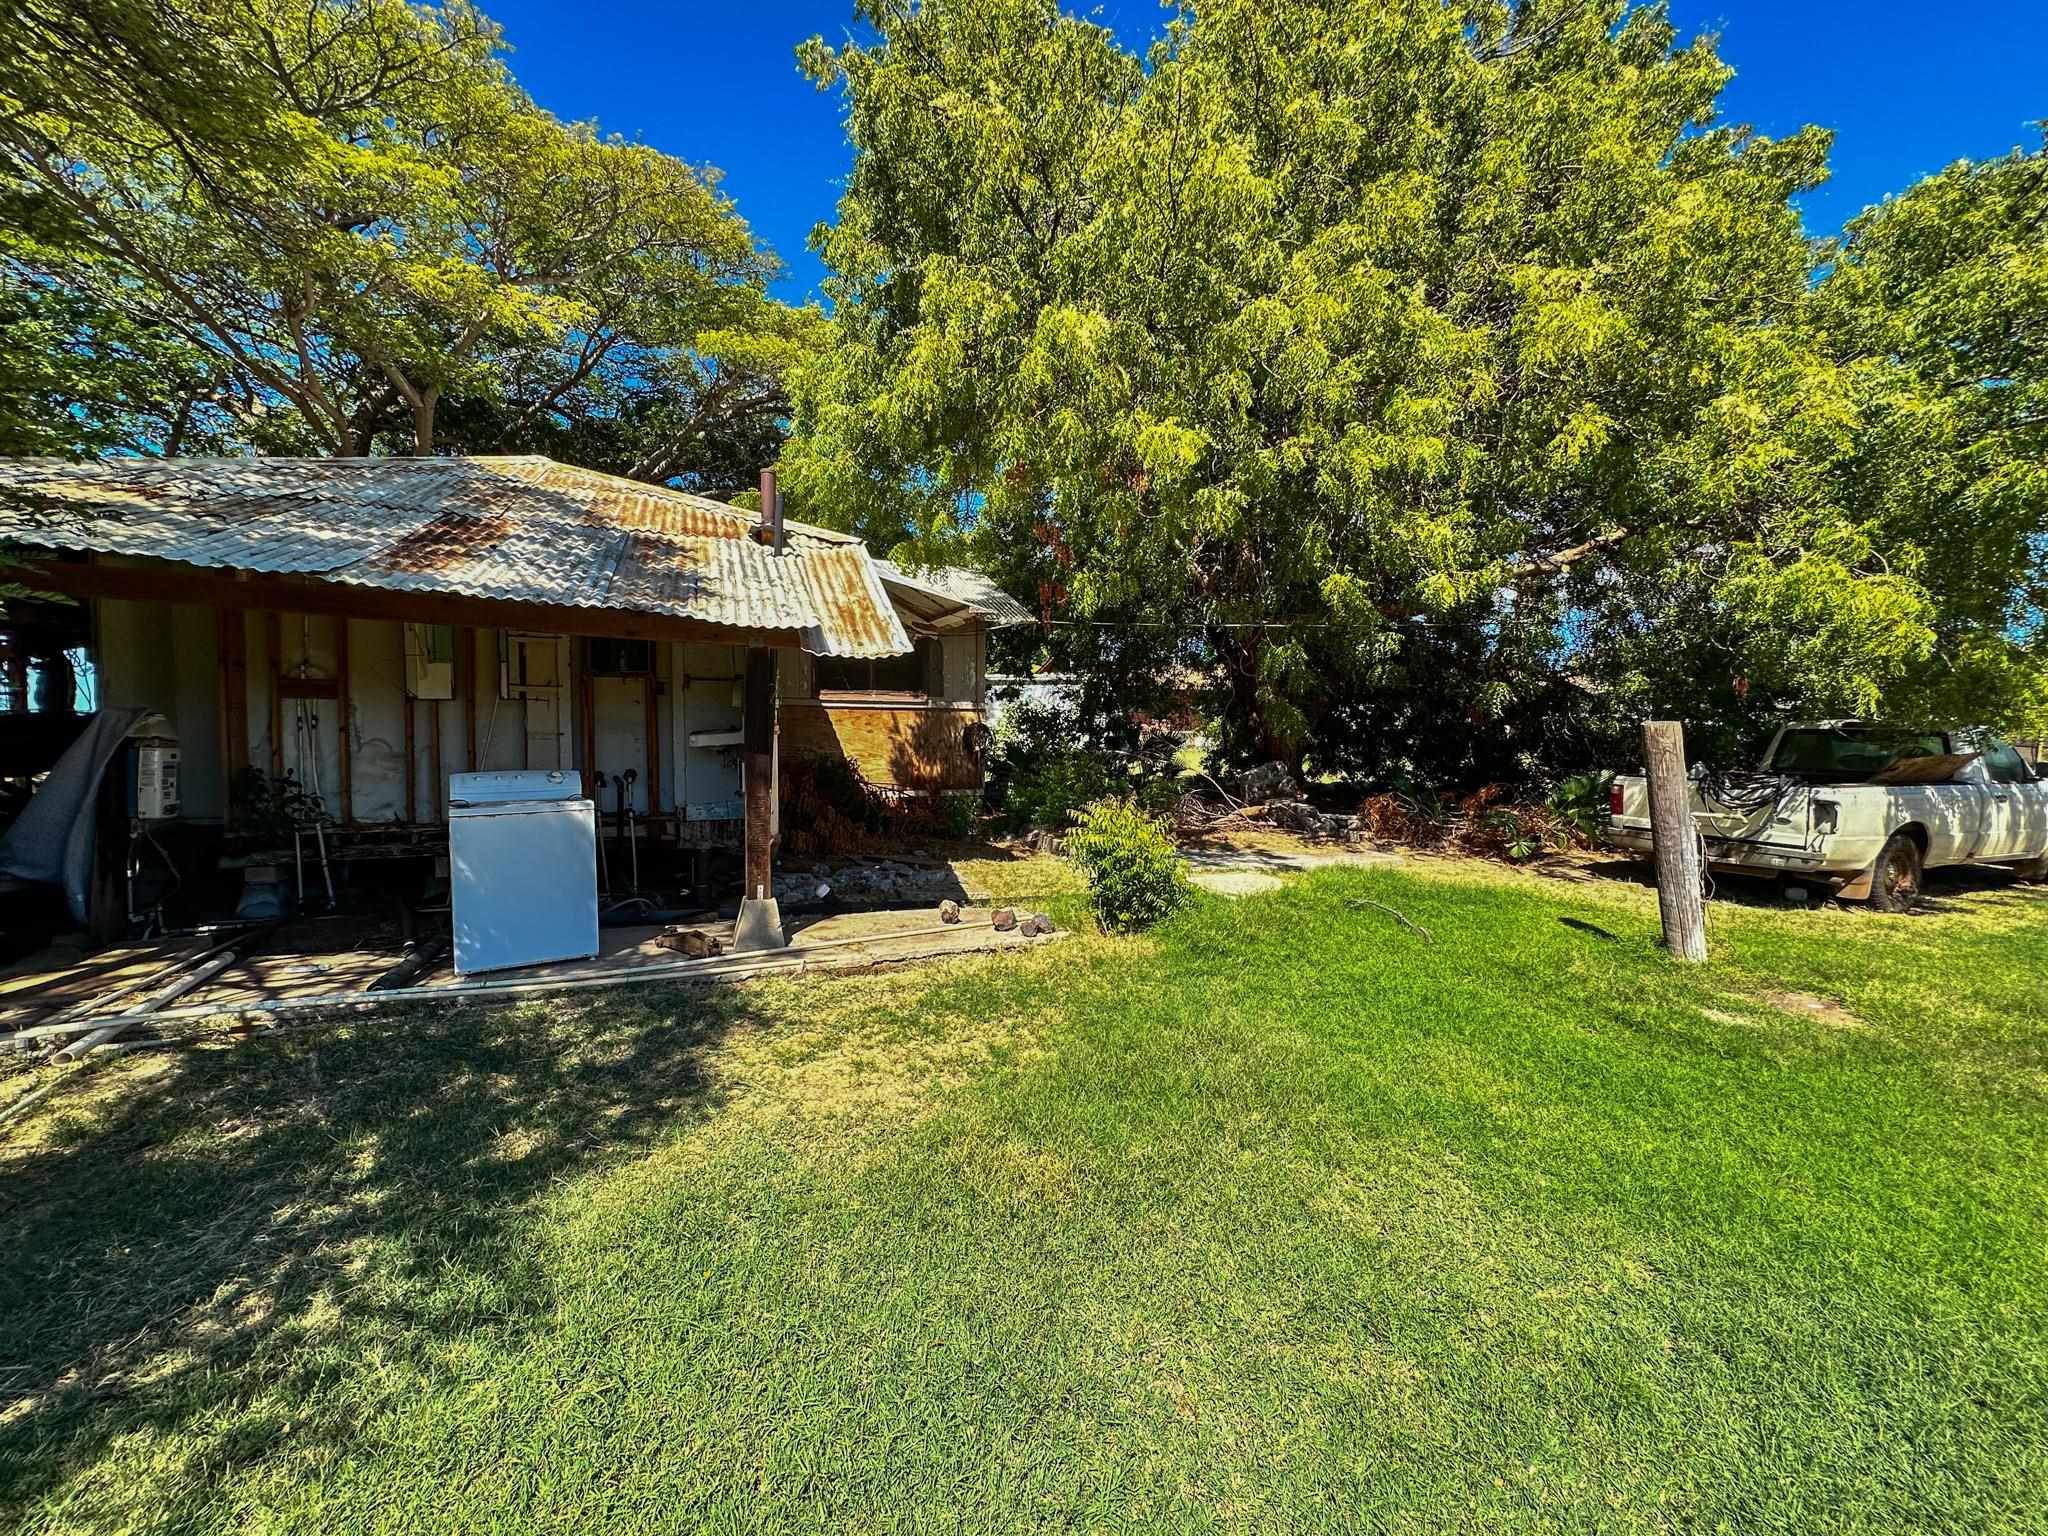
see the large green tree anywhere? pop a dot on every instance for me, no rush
(1332, 328)
(1942, 293)
(708, 414)
(385, 222)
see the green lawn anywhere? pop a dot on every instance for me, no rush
(1281, 1219)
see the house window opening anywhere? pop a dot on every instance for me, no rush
(896, 677)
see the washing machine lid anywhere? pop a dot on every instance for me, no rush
(508, 784)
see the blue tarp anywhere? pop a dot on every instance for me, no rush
(51, 841)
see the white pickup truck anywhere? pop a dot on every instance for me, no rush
(1861, 808)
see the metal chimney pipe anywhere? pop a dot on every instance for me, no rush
(769, 529)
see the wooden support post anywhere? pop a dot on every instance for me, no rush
(1676, 840)
(440, 784)
(758, 728)
(586, 730)
(412, 767)
(652, 736)
(341, 721)
(274, 664)
(231, 640)
(760, 919)
(465, 674)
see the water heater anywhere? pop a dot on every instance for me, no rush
(156, 779)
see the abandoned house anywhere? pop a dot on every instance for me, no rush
(324, 644)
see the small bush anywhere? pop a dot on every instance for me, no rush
(959, 815)
(1047, 790)
(1580, 802)
(1134, 875)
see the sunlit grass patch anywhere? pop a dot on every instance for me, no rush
(1280, 1217)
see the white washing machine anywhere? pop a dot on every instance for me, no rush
(522, 869)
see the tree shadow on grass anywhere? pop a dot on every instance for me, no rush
(1952, 888)
(200, 1255)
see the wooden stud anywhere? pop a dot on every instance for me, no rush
(231, 641)
(653, 735)
(341, 722)
(465, 685)
(586, 728)
(1676, 841)
(412, 764)
(434, 759)
(274, 665)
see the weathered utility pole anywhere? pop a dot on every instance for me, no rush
(1675, 841)
(760, 918)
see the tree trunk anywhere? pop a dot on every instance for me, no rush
(175, 438)
(423, 422)
(1239, 651)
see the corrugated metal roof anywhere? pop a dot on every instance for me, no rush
(514, 529)
(938, 593)
(845, 584)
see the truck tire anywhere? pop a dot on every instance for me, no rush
(1895, 878)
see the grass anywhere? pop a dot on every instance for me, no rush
(1279, 1219)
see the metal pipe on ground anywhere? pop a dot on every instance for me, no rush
(85, 1007)
(789, 957)
(152, 1009)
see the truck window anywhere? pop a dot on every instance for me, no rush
(2004, 763)
(1851, 752)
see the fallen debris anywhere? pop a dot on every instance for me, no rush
(874, 883)
(1002, 919)
(418, 960)
(949, 911)
(691, 942)
(1358, 902)
(1270, 781)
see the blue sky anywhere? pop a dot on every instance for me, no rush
(1907, 88)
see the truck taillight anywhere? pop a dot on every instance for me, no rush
(1614, 797)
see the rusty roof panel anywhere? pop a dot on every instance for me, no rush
(515, 529)
(854, 614)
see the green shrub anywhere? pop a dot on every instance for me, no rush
(1046, 790)
(1580, 802)
(959, 815)
(1134, 875)
(1158, 795)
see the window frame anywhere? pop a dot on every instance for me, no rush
(1997, 744)
(919, 656)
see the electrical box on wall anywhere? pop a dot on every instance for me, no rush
(430, 661)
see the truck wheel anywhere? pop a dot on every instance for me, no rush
(1895, 883)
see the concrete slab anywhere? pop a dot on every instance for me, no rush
(1235, 882)
(1241, 871)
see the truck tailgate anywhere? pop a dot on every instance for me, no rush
(1783, 820)
(1759, 814)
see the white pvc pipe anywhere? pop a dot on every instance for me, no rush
(756, 961)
